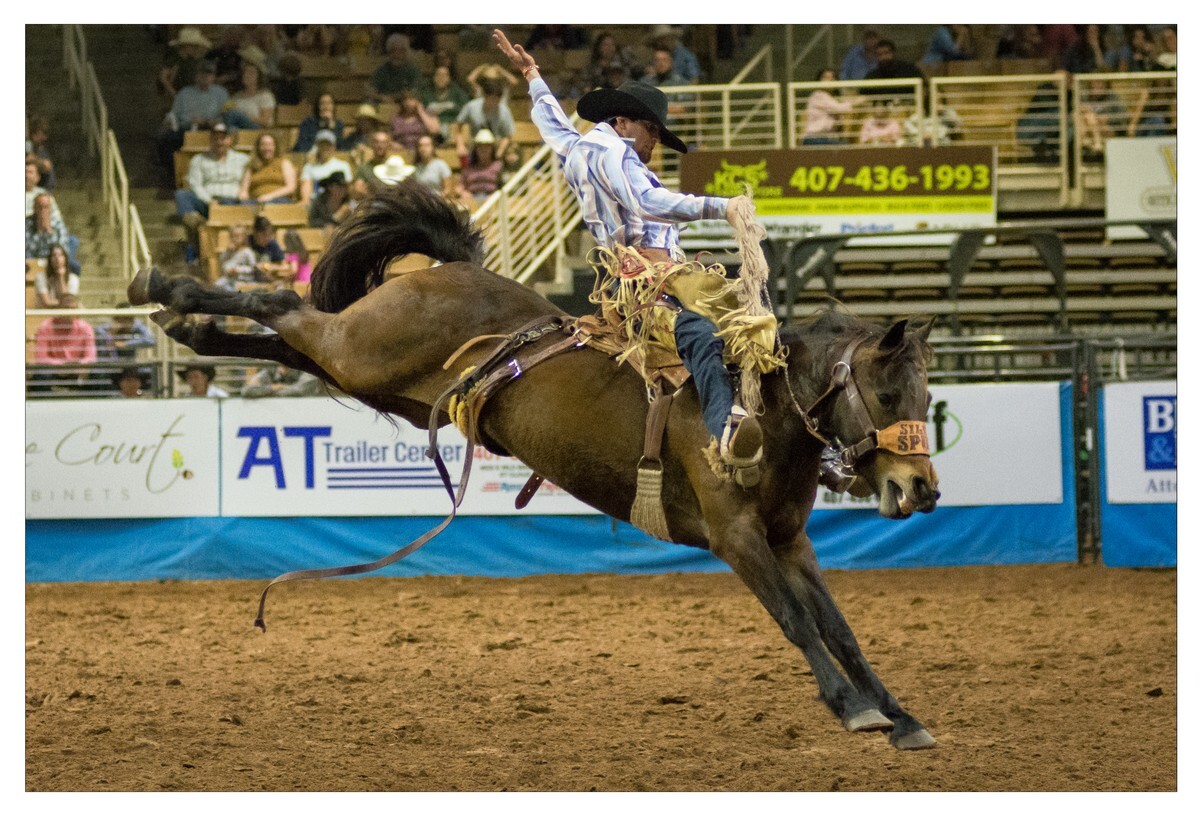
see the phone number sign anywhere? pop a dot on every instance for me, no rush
(854, 190)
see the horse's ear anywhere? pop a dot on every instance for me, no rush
(894, 338)
(922, 326)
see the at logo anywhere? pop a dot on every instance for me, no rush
(1158, 427)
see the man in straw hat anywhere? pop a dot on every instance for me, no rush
(634, 221)
(182, 63)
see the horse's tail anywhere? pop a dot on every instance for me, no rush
(400, 220)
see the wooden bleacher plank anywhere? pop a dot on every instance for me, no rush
(224, 215)
(286, 215)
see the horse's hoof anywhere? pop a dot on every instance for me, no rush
(138, 292)
(870, 720)
(914, 741)
(167, 319)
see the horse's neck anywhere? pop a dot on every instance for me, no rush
(810, 363)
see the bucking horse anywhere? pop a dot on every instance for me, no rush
(578, 417)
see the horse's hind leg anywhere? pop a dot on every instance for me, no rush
(799, 564)
(184, 295)
(749, 556)
(204, 337)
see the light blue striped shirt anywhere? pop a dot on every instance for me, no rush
(623, 202)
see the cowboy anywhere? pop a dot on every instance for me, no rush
(626, 208)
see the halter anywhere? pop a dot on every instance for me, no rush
(907, 437)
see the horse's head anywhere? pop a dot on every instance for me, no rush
(869, 394)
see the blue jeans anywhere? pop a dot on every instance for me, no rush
(239, 120)
(701, 350)
(188, 202)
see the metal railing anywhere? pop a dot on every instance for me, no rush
(880, 99)
(762, 61)
(1114, 105)
(114, 181)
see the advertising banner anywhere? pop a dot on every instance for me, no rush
(1140, 181)
(990, 444)
(1139, 442)
(135, 458)
(854, 191)
(316, 457)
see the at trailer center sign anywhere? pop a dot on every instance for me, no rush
(854, 190)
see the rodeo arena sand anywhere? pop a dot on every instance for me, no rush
(1032, 678)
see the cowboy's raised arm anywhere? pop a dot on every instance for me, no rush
(551, 120)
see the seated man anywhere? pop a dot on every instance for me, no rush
(281, 382)
(44, 229)
(398, 73)
(488, 112)
(197, 106)
(322, 167)
(380, 146)
(64, 341)
(215, 175)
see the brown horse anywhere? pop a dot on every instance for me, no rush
(578, 418)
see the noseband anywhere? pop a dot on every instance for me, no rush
(907, 437)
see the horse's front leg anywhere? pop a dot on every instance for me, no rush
(185, 295)
(743, 546)
(798, 563)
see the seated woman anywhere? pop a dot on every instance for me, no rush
(430, 170)
(55, 280)
(822, 111)
(253, 106)
(444, 98)
(269, 178)
(322, 118)
(480, 176)
(412, 121)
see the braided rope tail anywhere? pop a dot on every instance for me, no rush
(753, 276)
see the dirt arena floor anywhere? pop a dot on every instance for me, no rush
(1032, 678)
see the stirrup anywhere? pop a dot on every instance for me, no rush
(741, 447)
(835, 476)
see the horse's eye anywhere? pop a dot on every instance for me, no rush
(887, 400)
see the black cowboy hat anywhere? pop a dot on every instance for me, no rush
(634, 100)
(207, 370)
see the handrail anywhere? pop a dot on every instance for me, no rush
(764, 55)
(825, 32)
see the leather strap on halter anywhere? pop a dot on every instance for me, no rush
(492, 378)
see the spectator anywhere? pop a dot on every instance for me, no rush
(32, 190)
(606, 55)
(686, 65)
(1138, 53)
(268, 43)
(393, 171)
(182, 63)
(661, 71)
(1099, 110)
(215, 175)
(253, 106)
(65, 340)
(444, 98)
(289, 87)
(560, 37)
(322, 118)
(926, 131)
(511, 162)
(321, 166)
(281, 382)
(412, 121)
(861, 59)
(37, 147)
(1056, 40)
(398, 74)
(318, 40)
(1168, 58)
(365, 180)
(949, 43)
(269, 178)
(614, 77)
(44, 229)
(1038, 126)
(889, 67)
(226, 56)
(1020, 42)
(237, 262)
(881, 127)
(196, 107)
(488, 112)
(269, 256)
(332, 207)
(131, 382)
(199, 379)
(448, 58)
(122, 336)
(822, 111)
(56, 280)
(430, 170)
(480, 167)
(1086, 54)
(358, 143)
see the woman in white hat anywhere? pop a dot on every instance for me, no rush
(480, 173)
(182, 62)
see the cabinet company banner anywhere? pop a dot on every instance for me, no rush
(854, 191)
(992, 445)
(1139, 442)
(1140, 181)
(126, 459)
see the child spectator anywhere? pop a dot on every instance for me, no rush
(321, 166)
(182, 62)
(444, 98)
(269, 257)
(56, 280)
(881, 127)
(412, 121)
(269, 178)
(199, 379)
(429, 169)
(398, 74)
(237, 262)
(322, 118)
(253, 106)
